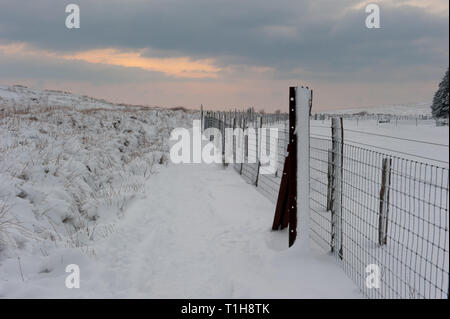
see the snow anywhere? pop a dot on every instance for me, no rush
(423, 130)
(87, 182)
(418, 200)
(408, 109)
(303, 98)
(201, 232)
(23, 98)
(418, 210)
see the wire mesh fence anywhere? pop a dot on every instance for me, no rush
(410, 245)
(379, 117)
(253, 147)
(379, 214)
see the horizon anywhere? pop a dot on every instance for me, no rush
(223, 109)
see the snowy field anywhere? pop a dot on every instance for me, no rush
(415, 258)
(412, 109)
(406, 138)
(200, 232)
(86, 182)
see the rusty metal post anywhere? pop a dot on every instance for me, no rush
(286, 210)
(292, 178)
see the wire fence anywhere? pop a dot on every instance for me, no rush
(377, 213)
(410, 245)
(250, 170)
(362, 115)
(386, 120)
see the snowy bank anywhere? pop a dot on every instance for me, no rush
(70, 165)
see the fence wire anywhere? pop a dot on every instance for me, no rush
(394, 217)
(251, 171)
(413, 258)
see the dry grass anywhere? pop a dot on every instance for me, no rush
(95, 159)
(10, 225)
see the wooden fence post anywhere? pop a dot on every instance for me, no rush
(384, 201)
(341, 188)
(223, 125)
(330, 175)
(258, 148)
(234, 141)
(201, 118)
(337, 133)
(255, 126)
(244, 144)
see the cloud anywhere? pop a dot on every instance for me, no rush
(323, 42)
(181, 67)
(434, 6)
(20, 61)
(319, 37)
(176, 66)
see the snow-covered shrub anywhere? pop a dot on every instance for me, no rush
(68, 170)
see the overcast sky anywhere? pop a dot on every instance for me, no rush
(228, 53)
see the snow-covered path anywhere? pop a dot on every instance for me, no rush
(200, 232)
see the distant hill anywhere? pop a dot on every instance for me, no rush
(21, 97)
